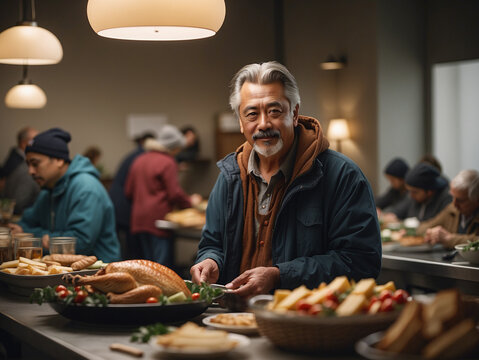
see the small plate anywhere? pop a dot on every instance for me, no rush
(192, 353)
(24, 284)
(365, 348)
(248, 330)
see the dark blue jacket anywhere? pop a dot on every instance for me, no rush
(117, 190)
(326, 227)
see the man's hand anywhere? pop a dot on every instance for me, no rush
(15, 229)
(205, 271)
(437, 235)
(260, 280)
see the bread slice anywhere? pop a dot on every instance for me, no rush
(453, 343)
(444, 311)
(404, 336)
(353, 304)
(366, 287)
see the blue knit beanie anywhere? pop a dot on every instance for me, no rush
(426, 177)
(397, 167)
(53, 142)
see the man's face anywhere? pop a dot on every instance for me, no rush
(461, 201)
(46, 171)
(396, 183)
(419, 195)
(266, 119)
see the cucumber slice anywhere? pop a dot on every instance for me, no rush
(178, 297)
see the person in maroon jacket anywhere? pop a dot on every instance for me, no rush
(154, 190)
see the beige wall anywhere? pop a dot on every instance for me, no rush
(100, 81)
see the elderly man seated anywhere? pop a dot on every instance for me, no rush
(459, 221)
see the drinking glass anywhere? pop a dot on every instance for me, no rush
(6, 253)
(62, 245)
(28, 247)
(6, 210)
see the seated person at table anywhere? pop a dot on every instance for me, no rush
(428, 194)
(72, 202)
(395, 172)
(459, 221)
(285, 210)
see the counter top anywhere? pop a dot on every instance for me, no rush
(53, 335)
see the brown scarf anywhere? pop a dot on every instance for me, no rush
(258, 251)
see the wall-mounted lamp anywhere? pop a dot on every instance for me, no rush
(333, 63)
(25, 95)
(156, 19)
(28, 44)
(338, 130)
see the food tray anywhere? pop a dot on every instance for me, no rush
(24, 284)
(130, 314)
(306, 333)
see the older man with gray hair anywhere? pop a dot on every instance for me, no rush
(459, 221)
(285, 210)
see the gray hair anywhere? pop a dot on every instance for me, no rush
(265, 73)
(467, 180)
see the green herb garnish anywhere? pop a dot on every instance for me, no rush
(472, 246)
(207, 293)
(144, 333)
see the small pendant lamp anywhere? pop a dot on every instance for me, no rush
(27, 43)
(25, 95)
(156, 19)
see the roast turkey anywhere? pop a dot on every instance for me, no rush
(125, 281)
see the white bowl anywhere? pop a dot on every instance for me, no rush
(470, 255)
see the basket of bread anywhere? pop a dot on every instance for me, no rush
(444, 328)
(329, 318)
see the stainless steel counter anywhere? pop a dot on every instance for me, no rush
(59, 338)
(428, 271)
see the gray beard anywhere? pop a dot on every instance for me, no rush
(269, 150)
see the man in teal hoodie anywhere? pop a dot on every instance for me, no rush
(72, 201)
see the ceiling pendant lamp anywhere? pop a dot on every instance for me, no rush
(156, 19)
(25, 95)
(27, 43)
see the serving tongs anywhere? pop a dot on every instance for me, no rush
(229, 299)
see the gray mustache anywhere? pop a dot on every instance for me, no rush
(266, 134)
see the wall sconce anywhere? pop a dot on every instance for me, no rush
(333, 63)
(156, 19)
(28, 44)
(25, 95)
(338, 130)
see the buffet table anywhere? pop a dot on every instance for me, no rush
(52, 336)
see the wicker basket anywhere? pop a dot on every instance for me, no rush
(316, 334)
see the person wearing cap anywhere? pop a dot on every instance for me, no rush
(72, 202)
(152, 186)
(19, 185)
(458, 222)
(428, 194)
(395, 172)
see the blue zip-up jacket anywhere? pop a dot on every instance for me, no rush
(326, 227)
(77, 206)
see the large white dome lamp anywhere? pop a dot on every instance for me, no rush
(27, 43)
(25, 95)
(156, 19)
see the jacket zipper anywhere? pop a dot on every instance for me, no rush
(52, 214)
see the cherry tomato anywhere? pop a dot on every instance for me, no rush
(195, 296)
(80, 297)
(62, 294)
(77, 288)
(332, 296)
(400, 296)
(374, 299)
(330, 304)
(387, 305)
(315, 309)
(302, 305)
(385, 294)
(152, 300)
(60, 288)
